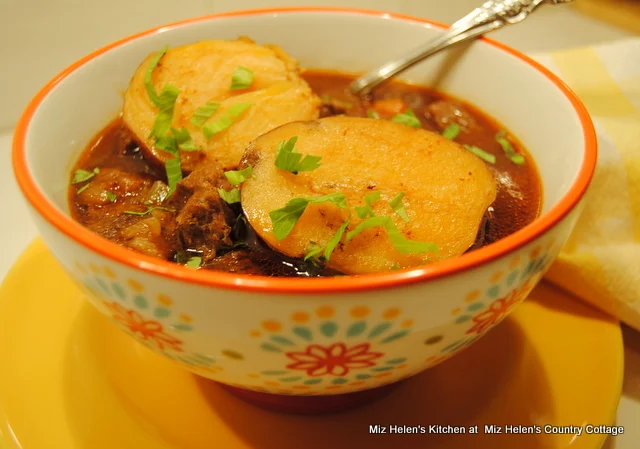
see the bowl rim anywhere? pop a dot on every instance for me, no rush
(264, 284)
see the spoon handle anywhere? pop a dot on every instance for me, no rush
(492, 15)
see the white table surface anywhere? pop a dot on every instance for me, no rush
(551, 28)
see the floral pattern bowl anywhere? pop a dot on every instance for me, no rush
(301, 338)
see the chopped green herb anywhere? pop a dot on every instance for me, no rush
(230, 197)
(111, 196)
(482, 154)
(83, 188)
(517, 159)
(407, 118)
(81, 175)
(241, 78)
(204, 113)
(194, 262)
(183, 139)
(167, 143)
(166, 103)
(313, 250)
(372, 114)
(148, 210)
(331, 245)
(335, 240)
(399, 241)
(237, 177)
(395, 266)
(366, 210)
(182, 256)
(284, 219)
(237, 109)
(174, 174)
(396, 205)
(226, 120)
(508, 149)
(151, 90)
(288, 160)
(215, 127)
(451, 131)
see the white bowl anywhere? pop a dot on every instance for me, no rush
(311, 336)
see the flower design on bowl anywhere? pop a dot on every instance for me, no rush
(336, 359)
(144, 329)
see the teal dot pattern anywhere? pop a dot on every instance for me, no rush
(124, 303)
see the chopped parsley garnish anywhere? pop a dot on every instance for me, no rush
(508, 149)
(178, 139)
(372, 114)
(402, 244)
(407, 118)
(394, 267)
(230, 197)
(183, 139)
(366, 210)
(482, 154)
(111, 196)
(204, 113)
(168, 144)
(398, 208)
(241, 78)
(451, 131)
(148, 210)
(81, 175)
(174, 173)
(226, 120)
(331, 245)
(183, 257)
(219, 125)
(237, 109)
(162, 125)
(237, 177)
(166, 103)
(194, 262)
(83, 188)
(288, 160)
(148, 84)
(284, 219)
(517, 159)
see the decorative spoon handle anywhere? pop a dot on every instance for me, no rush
(492, 15)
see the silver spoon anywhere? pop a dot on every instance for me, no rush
(492, 15)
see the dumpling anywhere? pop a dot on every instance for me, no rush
(447, 191)
(203, 74)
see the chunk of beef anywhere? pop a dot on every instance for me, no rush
(204, 221)
(444, 113)
(239, 261)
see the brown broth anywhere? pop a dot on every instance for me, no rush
(124, 173)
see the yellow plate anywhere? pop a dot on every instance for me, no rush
(70, 379)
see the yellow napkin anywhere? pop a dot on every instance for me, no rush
(601, 261)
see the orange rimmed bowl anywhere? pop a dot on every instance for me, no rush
(271, 338)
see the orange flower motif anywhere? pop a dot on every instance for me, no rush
(498, 310)
(147, 330)
(337, 359)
